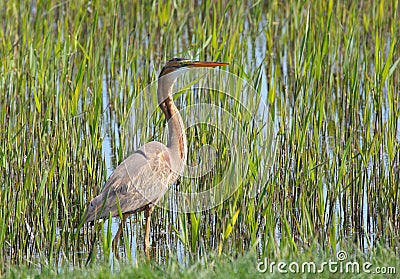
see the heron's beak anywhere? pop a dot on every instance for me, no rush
(198, 64)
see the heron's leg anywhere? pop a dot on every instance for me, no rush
(148, 212)
(117, 235)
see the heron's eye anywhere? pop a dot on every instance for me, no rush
(176, 59)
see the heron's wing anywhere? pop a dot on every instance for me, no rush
(140, 180)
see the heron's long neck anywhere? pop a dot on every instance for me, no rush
(177, 135)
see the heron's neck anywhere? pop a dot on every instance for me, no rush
(177, 135)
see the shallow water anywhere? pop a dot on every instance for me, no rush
(164, 240)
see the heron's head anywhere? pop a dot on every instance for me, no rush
(179, 64)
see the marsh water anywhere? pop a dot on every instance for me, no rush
(353, 219)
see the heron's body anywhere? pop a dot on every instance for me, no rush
(144, 177)
(139, 181)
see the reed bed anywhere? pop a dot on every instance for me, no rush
(328, 73)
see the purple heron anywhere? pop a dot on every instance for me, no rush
(144, 177)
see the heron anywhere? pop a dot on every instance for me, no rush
(143, 178)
